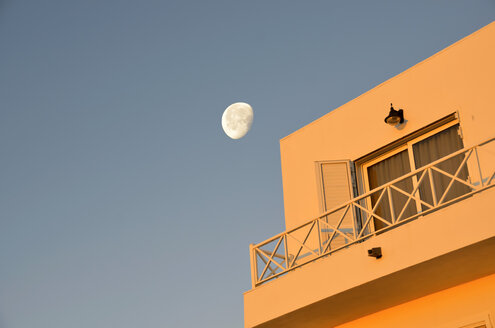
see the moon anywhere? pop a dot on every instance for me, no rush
(237, 120)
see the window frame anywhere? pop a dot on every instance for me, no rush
(406, 145)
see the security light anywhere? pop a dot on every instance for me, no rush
(395, 116)
(375, 252)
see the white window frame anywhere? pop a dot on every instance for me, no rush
(407, 145)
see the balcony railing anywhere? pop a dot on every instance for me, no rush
(438, 184)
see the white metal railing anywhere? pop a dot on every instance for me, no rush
(438, 184)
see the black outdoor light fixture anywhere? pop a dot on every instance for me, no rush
(375, 252)
(395, 116)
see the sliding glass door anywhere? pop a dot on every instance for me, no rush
(433, 148)
(410, 156)
(385, 171)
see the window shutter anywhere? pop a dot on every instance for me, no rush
(337, 186)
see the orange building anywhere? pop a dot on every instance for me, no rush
(390, 224)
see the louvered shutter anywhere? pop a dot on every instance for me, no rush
(336, 182)
(337, 186)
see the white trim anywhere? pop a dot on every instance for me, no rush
(408, 145)
(319, 181)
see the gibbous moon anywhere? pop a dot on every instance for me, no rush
(237, 120)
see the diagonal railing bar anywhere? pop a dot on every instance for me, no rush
(458, 170)
(302, 244)
(266, 252)
(325, 246)
(491, 178)
(331, 238)
(271, 256)
(318, 228)
(277, 255)
(334, 229)
(261, 281)
(391, 204)
(454, 177)
(361, 205)
(432, 186)
(479, 166)
(410, 196)
(452, 180)
(378, 201)
(268, 258)
(365, 225)
(373, 214)
(268, 264)
(328, 242)
(301, 247)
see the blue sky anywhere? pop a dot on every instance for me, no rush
(122, 202)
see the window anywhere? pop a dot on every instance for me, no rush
(407, 157)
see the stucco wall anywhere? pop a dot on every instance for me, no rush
(432, 253)
(459, 78)
(451, 308)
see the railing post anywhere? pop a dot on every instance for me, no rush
(479, 166)
(252, 257)
(432, 187)
(319, 235)
(287, 259)
(363, 215)
(391, 204)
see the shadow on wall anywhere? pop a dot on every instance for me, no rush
(401, 126)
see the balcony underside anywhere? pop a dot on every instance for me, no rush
(440, 250)
(463, 265)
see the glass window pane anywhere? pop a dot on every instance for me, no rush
(434, 148)
(385, 171)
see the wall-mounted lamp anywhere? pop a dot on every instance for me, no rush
(375, 252)
(395, 116)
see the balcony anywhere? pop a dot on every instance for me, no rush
(434, 186)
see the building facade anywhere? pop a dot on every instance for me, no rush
(390, 224)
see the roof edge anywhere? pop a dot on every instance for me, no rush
(393, 78)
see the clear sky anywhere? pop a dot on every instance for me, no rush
(122, 202)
